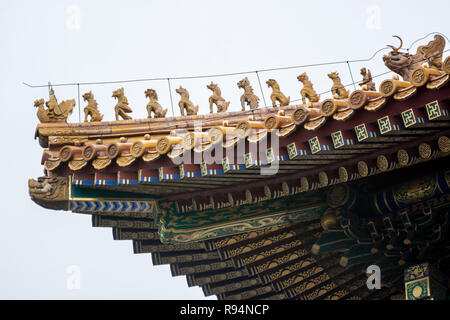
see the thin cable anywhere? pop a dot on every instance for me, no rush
(79, 107)
(427, 37)
(171, 100)
(205, 121)
(237, 73)
(260, 87)
(351, 75)
(211, 75)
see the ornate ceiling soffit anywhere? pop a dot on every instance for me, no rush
(177, 227)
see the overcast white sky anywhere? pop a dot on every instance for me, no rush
(82, 41)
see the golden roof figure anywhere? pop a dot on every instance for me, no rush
(153, 105)
(403, 63)
(308, 90)
(121, 107)
(185, 103)
(217, 99)
(338, 89)
(367, 83)
(248, 96)
(277, 95)
(55, 112)
(92, 108)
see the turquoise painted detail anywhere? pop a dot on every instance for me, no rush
(201, 225)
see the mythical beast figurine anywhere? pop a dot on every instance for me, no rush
(248, 96)
(217, 98)
(338, 89)
(50, 192)
(91, 109)
(121, 108)
(367, 82)
(277, 95)
(185, 103)
(307, 91)
(153, 105)
(403, 63)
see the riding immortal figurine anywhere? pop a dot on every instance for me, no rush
(55, 112)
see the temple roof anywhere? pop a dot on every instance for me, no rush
(320, 143)
(287, 202)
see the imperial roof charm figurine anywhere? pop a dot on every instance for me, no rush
(248, 97)
(91, 109)
(121, 109)
(55, 112)
(276, 94)
(307, 91)
(403, 63)
(217, 99)
(185, 103)
(153, 105)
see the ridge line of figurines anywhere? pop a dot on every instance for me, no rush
(59, 112)
(402, 63)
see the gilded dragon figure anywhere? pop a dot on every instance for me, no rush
(277, 95)
(185, 103)
(153, 105)
(91, 109)
(55, 112)
(121, 109)
(307, 91)
(403, 63)
(248, 96)
(217, 98)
